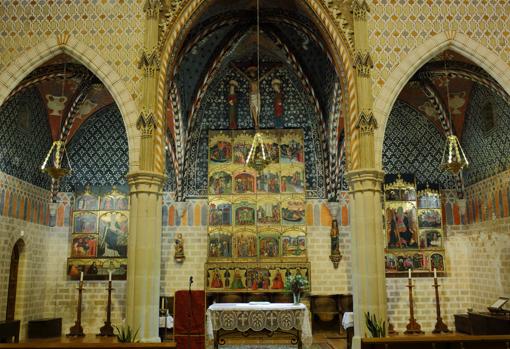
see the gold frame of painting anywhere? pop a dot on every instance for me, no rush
(243, 267)
(285, 201)
(244, 231)
(83, 213)
(219, 199)
(297, 136)
(271, 168)
(236, 203)
(243, 171)
(214, 170)
(400, 224)
(214, 138)
(289, 171)
(263, 200)
(228, 230)
(270, 231)
(294, 231)
(242, 138)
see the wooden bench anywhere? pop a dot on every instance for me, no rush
(9, 331)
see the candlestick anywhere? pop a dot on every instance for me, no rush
(107, 329)
(413, 327)
(440, 325)
(77, 330)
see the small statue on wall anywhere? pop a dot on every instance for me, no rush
(335, 256)
(278, 103)
(232, 104)
(179, 249)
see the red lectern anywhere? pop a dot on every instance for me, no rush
(189, 319)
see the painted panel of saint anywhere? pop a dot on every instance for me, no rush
(113, 235)
(269, 246)
(220, 152)
(244, 244)
(291, 151)
(216, 280)
(244, 213)
(429, 200)
(390, 262)
(244, 183)
(292, 180)
(429, 218)
(220, 212)
(294, 244)
(220, 244)
(121, 203)
(277, 282)
(108, 202)
(85, 223)
(268, 181)
(220, 183)
(258, 278)
(268, 210)
(437, 261)
(87, 201)
(293, 211)
(84, 246)
(237, 279)
(401, 225)
(431, 238)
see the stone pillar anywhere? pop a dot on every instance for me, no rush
(368, 273)
(144, 245)
(144, 254)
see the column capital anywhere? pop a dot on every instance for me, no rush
(146, 123)
(365, 180)
(145, 182)
(363, 63)
(367, 123)
(360, 9)
(149, 61)
(152, 8)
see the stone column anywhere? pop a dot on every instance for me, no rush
(368, 273)
(144, 245)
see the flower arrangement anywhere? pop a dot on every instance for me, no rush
(296, 284)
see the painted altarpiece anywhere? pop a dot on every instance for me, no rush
(413, 229)
(99, 236)
(256, 230)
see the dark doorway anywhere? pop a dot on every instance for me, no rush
(13, 280)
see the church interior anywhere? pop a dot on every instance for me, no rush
(255, 173)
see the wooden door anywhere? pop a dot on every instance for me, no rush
(13, 281)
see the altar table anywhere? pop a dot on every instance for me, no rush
(224, 319)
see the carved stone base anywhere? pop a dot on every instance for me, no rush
(335, 258)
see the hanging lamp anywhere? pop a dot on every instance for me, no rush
(454, 159)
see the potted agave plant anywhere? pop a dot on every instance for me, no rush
(296, 284)
(125, 334)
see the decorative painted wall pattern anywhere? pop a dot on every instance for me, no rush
(98, 152)
(170, 183)
(487, 151)
(119, 24)
(22, 200)
(413, 145)
(25, 138)
(397, 28)
(298, 113)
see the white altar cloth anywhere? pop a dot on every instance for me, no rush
(348, 319)
(257, 317)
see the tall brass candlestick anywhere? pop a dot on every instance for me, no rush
(107, 329)
(77, 330)
(412, 327)
(440, 325)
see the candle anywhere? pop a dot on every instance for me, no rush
(109, 275)
(81, 276)
(163, 307)
(409, 270)
(435, 273)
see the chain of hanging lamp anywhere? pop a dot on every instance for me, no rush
(258, 163)
(454, 159)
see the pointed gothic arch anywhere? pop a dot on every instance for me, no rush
(331, 34)
(11, 76)
(400, 76)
